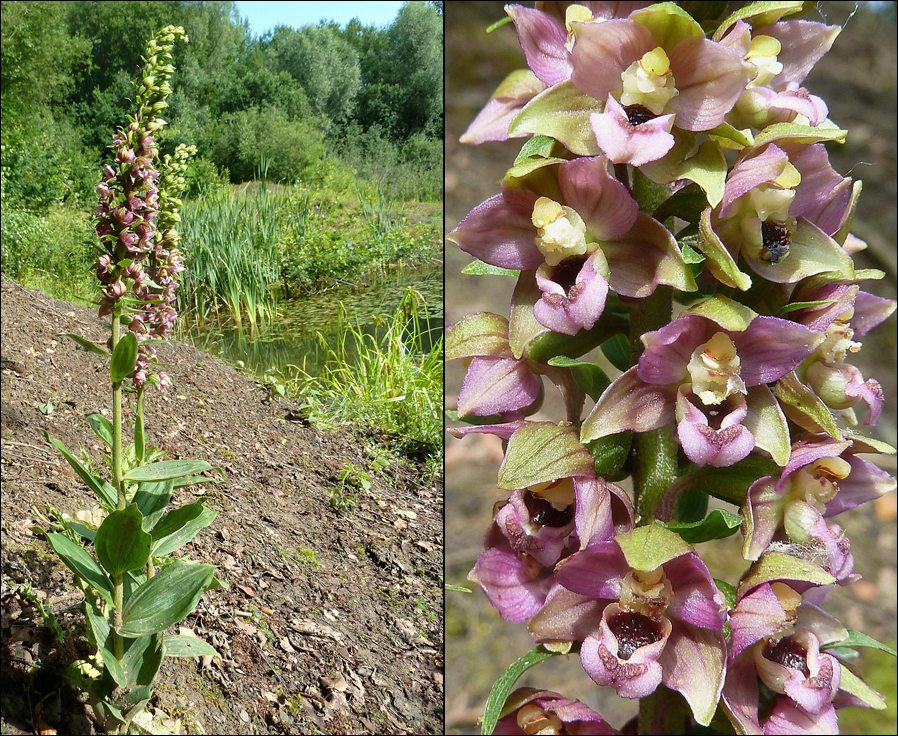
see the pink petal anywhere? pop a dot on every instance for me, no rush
(500, 231)
(629, 404)
(756, 616)
(602, 510)
(503, 431)
(803, 44)
(740, 695)
(821, 317)
(866, 482)
(668, 350)
(624, 143)
(710, 79)
(697, 600)
(496, 386)
(750, 173)
(601, 200)
(508, 586)
(788, 719)
(763, 511)
(603, 51)
(694, 663)
(595, 571)
(577, 309)
(870, 311)
(566, 616)
(823, 195)
(802, 102)
(491, 123)
(644, 257)
(771, 347)
(738, 38)
(872, 394)
(542, 40)
(704, 445)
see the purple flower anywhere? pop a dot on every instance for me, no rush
(712, 382)
(529, 711)
(592, 239)
(658, 622)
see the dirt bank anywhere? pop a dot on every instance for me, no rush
(333, 620)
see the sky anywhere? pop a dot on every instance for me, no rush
(263, 15)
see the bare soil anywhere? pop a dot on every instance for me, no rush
(332, 622)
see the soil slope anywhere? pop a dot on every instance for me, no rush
(332, 622)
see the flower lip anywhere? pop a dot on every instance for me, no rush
(543, 513)
(633, 630)
(638, 114)
(788, 652)
(775, 241)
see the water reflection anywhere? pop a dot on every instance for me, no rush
(291, 339)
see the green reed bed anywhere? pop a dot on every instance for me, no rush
(390, 381)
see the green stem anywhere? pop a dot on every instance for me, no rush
(119, 592)
(655, 466)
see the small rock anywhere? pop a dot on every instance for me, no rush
(244, 716)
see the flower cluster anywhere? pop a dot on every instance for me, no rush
(137, 212)
(674, 205)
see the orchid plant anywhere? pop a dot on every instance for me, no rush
(673, 214)
(121, 550)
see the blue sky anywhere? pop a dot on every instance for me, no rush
(263, 15)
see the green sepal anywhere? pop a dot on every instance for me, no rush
(668, 23)
(804, 407)
(541, 116)
(648, 547)
(759, 14)
(780, 566)
(537, 152)
(720, 261)
(854, 685)
(794, 133)
(541, 452)
(478, 334)
(728, 314)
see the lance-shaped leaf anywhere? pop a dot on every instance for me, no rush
(85, 343)
(794, 133)
(648, 547)
(103, 490)
(610, 453)
(179, 526)
(166, 469)
(479, 268)
(759, 14)
(857, 639)
(502, 687)
(142, 659)
(561, 112)
(165, 599)
(730, 483)
(720, 262)
(629, 404)
(854, 685)
(122, 544)
(77, 559)
(766, 421)
(780, 566)
(184, 645)
(124, 357)
(101, 426)
(588, 376)
(540, 452)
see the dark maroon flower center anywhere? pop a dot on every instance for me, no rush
(633, 630)
(637, 114)
(565, 273)
(544, 513)
(775, 240)
(789, 653)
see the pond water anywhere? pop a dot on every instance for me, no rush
(292, 339)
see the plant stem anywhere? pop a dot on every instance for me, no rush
(119, 592)
(655, 467)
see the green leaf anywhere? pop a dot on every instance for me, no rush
(122, 544)
(686, 203)
(729, 137)
(178, 527)
(101, 426)
(729, 592)
(548, 345)
(498, 24)
(692, 505)
(708, 169)
(609, 453)
(98, 625)
(648, 547)
(780, 566)
(720, 261)
(617, 350)
(142, 659)
(793, 133)
(166, 469)
(759, 14)
(165, 599)
(536, 153)
(854, 685)
(151, 498)
(803, 406)
(124, 358)
(182, 645)
(84, 343)
(483, 333)
(719, 524)
(722, 310)
(479, 268)
(101, 488)
(77, 559)
(561, 112)
(588, 376)
(452, 587)
(540, 452)
(114, 667)
(730, 483)
(857, 639)
(503, 686)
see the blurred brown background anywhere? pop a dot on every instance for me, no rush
(857, 80)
